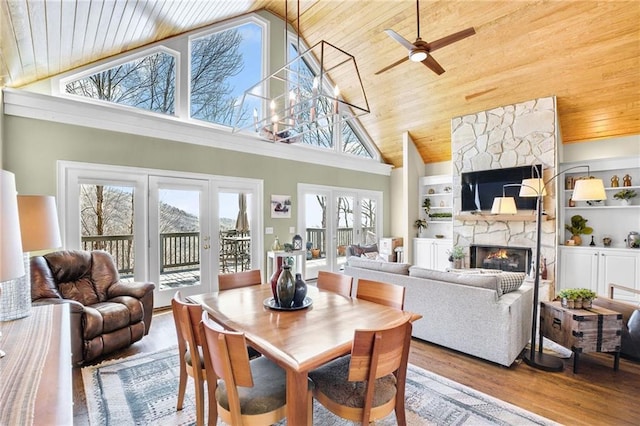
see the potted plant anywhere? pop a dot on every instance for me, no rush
(587, 297)
(456, 256)
(420, 224)
(426, 205)
(576, 298)
(578, 226)
(625, 195)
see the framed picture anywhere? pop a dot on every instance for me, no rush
(281, 206)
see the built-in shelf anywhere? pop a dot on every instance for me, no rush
(488, 217)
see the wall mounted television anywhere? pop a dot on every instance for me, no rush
(479, 188)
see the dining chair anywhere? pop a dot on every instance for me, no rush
(187, 317)
(337, 283)
(246, 392)
(383, 293)
(370, 383)
(239, 279)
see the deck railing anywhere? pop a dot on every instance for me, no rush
(181, 250)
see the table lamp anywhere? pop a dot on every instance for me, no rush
(11, 261)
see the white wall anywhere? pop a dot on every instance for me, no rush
(413, 169)
(627, 146)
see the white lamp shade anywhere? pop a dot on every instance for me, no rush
(588, 189)
(504, 205)
(38, 222)
(532, 188)
(11, 260)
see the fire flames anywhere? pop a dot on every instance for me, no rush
(499, 254)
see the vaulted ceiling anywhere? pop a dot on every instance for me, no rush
(587, 53)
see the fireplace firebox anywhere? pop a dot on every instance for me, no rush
(514, 259)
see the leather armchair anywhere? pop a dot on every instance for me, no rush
(106, 313)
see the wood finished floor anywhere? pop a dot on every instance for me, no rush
(597, 395)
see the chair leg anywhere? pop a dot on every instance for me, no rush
(213, 404)
(182, 386)
(401, 417)
(199, 403)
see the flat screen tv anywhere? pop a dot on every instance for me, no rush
(479, 188)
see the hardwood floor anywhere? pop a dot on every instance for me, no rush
(597, 395)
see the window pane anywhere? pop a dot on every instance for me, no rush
(147, 83)
(351, 144)
(223, 66)
(368, 220)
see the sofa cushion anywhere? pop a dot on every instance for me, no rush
(378, 265)
(488, 281)
(358, 250)
(510, 281)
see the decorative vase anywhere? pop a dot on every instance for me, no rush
(577, 239)
(586, 303)
(300, 291)
(286, 287)
(276, 245)
(458, 263)
(274, 279)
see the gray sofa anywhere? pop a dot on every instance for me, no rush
(470, 313)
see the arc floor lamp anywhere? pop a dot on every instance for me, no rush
(584, 190)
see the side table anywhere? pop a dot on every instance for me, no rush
(594, 329)
(299, 255)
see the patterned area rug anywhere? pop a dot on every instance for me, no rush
(142, 390)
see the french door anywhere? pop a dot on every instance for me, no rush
(334, 218)
(179, 236)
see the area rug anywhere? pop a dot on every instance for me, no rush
(142, 390)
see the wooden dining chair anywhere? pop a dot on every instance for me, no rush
(369, 384)
(337, 283)
(383, 293)
(187, 317)
(239, 279)
(247, 392)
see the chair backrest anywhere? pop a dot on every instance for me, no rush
(377, 353)
(239, 279)
(383, 293)
(226, 357)
(187, 317)
(338, 283)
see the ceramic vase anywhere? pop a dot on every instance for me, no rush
(286, 287)
(274, 279)
(300, 291)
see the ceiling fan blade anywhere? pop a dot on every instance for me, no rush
(397, 37)
(433, 65)
(452, 38)
(406, 58)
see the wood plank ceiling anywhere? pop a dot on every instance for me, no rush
(587, 53)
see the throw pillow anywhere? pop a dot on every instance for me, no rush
(511, 281)
(373, 255)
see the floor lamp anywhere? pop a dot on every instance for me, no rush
(584, 190)
(11, 262)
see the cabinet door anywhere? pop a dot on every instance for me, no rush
(441, 255)
(578, 268)
(423, 253)
(619, 267)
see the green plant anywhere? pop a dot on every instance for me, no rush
(625, 194)
(444, 214)
(457, 252)
(426, 205)
(576, 293)
(420, 223)
(578, 226)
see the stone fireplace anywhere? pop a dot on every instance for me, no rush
(512, 259)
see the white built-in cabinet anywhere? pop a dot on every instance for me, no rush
(596, 268)
(431, 248)
(432, 253)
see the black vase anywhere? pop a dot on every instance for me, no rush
(286, 287)
(300, 291)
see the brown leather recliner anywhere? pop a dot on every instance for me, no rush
(106, 313)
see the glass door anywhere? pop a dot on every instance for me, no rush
(180, 239)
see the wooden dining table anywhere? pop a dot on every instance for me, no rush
(297, 340)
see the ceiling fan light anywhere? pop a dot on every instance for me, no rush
(418, 55)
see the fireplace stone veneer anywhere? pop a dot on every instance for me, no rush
(513, 259)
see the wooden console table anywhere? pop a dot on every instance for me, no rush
(36, 371)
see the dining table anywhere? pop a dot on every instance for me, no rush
(298, 340)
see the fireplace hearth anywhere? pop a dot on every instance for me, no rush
(513, 259)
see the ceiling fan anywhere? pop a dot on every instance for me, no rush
(420, 50)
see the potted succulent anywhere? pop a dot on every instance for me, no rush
(625, 196)
(420, 224)
(456, 256)
(576, 298)
(578, 226)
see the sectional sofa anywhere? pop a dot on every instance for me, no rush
(481, 313)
